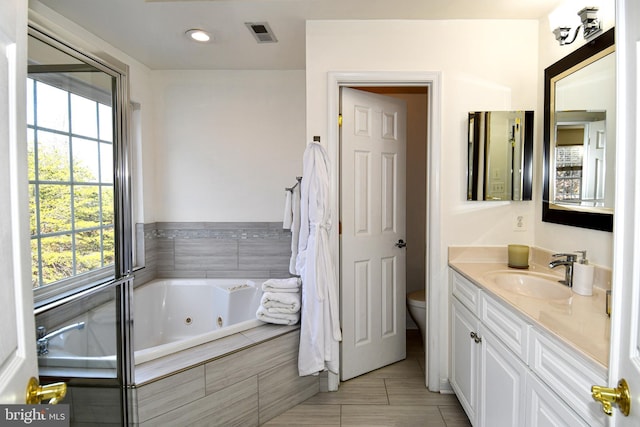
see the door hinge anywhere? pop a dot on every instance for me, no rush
(339, 120)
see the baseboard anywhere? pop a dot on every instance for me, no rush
(445, 387)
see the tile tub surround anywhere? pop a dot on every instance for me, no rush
(582, 323)
(243, 379)
(214, 249)
(225, 382)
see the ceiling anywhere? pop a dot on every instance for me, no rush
(152, 31)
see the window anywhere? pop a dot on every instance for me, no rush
(74, 149)
(569, 173)
(70, 184)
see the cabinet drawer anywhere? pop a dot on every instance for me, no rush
(544, 408)
(568, 374)
(466, 292)
(508, 327)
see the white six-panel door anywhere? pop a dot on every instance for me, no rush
(593, 187)
(372, 205)
(625, 318)
(18, 360)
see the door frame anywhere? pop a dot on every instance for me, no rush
(434, 275)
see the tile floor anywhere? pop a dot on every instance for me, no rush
(391, 396)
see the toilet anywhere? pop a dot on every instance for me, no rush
(416, 302)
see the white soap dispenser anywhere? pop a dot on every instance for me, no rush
(583, 275)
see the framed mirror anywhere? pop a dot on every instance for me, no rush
(579, 137)
(500, 155)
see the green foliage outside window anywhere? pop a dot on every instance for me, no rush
(71, 206)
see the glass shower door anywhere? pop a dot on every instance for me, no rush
(81, 235)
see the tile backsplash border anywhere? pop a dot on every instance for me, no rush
(212, 250)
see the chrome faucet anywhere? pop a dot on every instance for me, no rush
(567, 261)
(43, 337)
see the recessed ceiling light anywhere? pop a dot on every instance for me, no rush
(198, 35)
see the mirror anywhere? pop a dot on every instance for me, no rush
(579, 137)
(500, 155)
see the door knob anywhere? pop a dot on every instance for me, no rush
(401, 243)
(608, 396)
(37, 393)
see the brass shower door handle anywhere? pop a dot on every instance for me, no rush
(37, 393)
(620, 396)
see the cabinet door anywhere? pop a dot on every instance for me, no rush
(545, 409)
(464, 358)
(502, 384)
(568, 374)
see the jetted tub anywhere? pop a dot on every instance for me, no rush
(174, 314)
(170, 315)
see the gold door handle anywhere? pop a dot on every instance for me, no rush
(37, 393)
(609, 396)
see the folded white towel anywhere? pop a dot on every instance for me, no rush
(291, 284)
(281, 302)
(288, 212)
(277, 318)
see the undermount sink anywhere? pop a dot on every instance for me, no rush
(529, 284)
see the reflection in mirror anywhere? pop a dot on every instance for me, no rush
(579, 132)
(579, 159)
(500, 155)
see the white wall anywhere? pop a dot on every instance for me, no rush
(555, 237)
(485, 65)
(227, 143)
(475, 77)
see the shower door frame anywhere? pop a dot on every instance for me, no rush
(122, 282)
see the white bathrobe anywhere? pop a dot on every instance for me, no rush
(320, 326)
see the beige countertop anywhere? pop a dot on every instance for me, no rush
(580, 321)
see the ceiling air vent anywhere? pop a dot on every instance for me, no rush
(262, 32)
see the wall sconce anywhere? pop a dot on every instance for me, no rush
(590, 27)
(590, 22)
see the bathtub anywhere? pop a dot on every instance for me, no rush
(170, 315)
(175, 314)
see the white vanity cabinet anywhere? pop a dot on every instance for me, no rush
(503, 368)
(465, 356)
(488, 378)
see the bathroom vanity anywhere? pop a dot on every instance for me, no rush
(522, 358)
